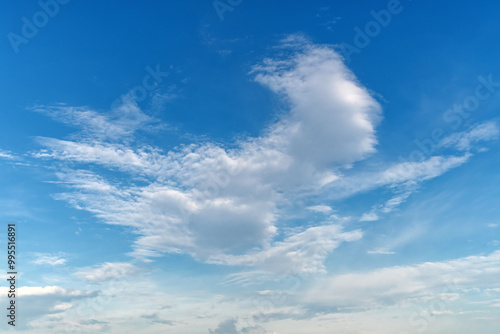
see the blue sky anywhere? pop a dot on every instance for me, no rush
(257, 167)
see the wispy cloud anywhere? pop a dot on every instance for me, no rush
(302, 253)
(62, 306)
(405, 177)
(466, 140)
(119, 123)
(47, 290)
(320, 208)
(381, 251)
(6, 155)
(107, 271)
(48, 259)
(402, 284)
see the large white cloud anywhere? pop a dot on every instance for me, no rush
(223, 205)
(332, 117)
(206, 200)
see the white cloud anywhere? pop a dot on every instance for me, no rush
(107, 271)
(465, 140)
(222, 205)
(321, 208)
(369, 217)
(302, 253)
(206, 200)
(414, 172)
(62, 306)
(6, 155)
(332, 117)
(402, 177)
(25, 291)
(120, 122)
(159, 98)
(405, 177)
(143, 161)
(228, 326)
(387, 207)
(44, 301)
(381, 251)
(47, 259)
(404, 284)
